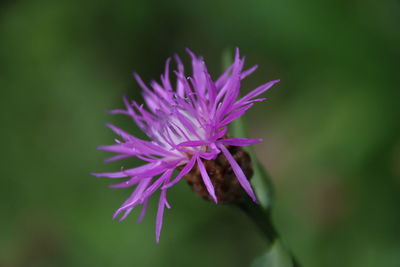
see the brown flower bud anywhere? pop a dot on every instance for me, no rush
(226, 185)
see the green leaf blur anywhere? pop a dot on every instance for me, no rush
(276, 257)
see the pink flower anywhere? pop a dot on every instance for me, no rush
(187, 126)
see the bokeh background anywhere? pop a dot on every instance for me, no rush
(330, 128)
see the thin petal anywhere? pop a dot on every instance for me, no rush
(156, 170)
(221, 81)
(141, 146)
(212, 89)
(240, 141)
(248, 72)
(123, 217)
(130, 172)
(117, 157)
(235, 114)
(163, 178)
(143, 211)
(221, 132)
(127, 183)
(209, 155)
(181, 70)
(160, 214)
(194, 143)
(120, 132)
(119, 148)
(238, 172)
(140, 82)
(259, 90)
(188, 167)
(133, 200)
(165, 79)
(207, 180)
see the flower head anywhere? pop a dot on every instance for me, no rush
(187, 126)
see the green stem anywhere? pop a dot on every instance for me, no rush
(261, 217)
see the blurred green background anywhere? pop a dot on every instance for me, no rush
(330, 128)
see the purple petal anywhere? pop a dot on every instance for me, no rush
(120, 132)
(222, 80)
(155, 170)
(167, 204)
(240, 141)
(221, 132)
(161, 92)
(186, 87)
(193, 143)
(236, 68)
(238, 172)
(230, 96)
(248, 72)
(126, 213)
(259, 90)
(118, 111)
(198, 73)
(212, 89)
(233, 86)
(142, 146)
(130, 149)
(181, 70)
(165, 79)
(134, 198)
(117, 157)
(181, 131)
(188, 167)
(253, 100)
(127, 183)
(163, 178)
(234, 115)
(160, 214)
(130, 172)
(153, 102)
(118, 149)
(140, 82)
(143, 211)
(187, 123)
(207, 180)
(209, 155)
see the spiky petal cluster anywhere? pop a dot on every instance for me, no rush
(186, 124)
